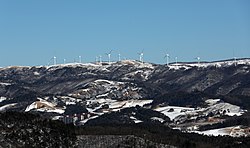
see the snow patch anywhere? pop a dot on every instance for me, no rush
(44, 106)
(5, 84)
(36, 73)
(157, 118)
(31, 106)
(226, 63)
(128, 103)
(179, 66)
(102, 95)
(226, 108)
(135, 119)
(174, 111)
(212, 101)
(107, 81)
(86, 120)
(2, 99)
(138, 121)
(8, 106)
(234, 131)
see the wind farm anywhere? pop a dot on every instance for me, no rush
(139, 74)
(106, 58)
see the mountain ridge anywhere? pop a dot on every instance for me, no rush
(90, 93)
(53, 79)
(238, 60)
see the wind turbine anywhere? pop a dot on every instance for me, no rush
(64, 61)
(119, 57)
(176, 58)
(141, 54)
(54, 59)
(167, 56)
(235, 61)
(100, 59)
(109, 55)
(80, 59)
(198, 60)
(96, 59)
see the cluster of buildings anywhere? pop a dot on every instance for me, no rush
(240, 131)
(75, 118)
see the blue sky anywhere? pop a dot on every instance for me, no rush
(32, 32)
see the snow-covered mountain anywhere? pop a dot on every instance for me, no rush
(175, 94)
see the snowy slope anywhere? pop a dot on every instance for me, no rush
(6, 107)
(99, 88)
(44, 106)
(234, 131)
(217, 64)
(176, 111)
(215, 106)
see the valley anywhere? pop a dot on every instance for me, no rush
(210, 98)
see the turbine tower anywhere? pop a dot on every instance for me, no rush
(167, 56)
(176, 58)
(235, 61)
(96, 59)
(198, 61)
(141, 54)
(64, 61)
(109, 55)
(119, 57)
(54, 59)
(80, 59)
(100, 59)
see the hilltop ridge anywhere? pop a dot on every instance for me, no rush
(129, 91)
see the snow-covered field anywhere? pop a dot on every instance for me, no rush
(174, 111)
(44, 106)
(5, 84)
(215, 106)
(5, 107)
(185, 66)
(97, 107)
(86, 120)
(225, 108)
(2, 99)
(128, 103)
(135, 120)
(115, 105)
(212, 101)
(234, 131)
(159, 119)
(215, 132)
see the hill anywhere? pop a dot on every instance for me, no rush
(186, 96)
